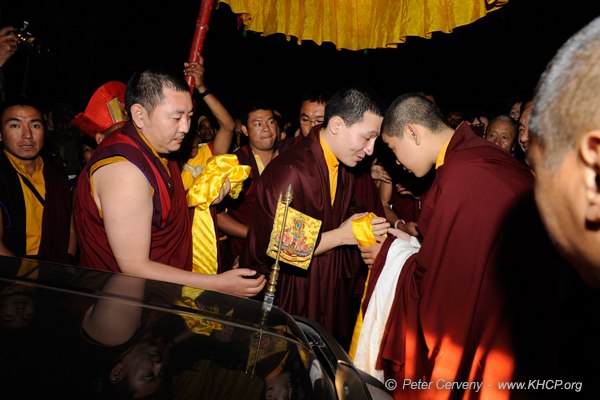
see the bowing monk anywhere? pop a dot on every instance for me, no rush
(433, 309)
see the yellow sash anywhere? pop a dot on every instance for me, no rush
(204, 189)
(361, 228)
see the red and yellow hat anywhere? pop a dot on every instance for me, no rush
(105, 109)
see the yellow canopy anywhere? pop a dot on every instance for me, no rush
(359, 24)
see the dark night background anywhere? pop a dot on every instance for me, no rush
(481, 65)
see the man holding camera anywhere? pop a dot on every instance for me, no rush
(8, 44)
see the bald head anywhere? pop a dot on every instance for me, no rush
(566, 102)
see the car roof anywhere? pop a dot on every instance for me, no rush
(72, 331)
(86, 282)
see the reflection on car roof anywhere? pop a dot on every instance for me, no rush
(79, 333)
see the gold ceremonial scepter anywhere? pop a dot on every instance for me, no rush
(270, 293)
(272, 283)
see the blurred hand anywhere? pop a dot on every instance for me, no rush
(369, 253)
(236, 282)
(399, 234)
(224, 192)
(379, 225)
(379, 173)
(410, 228)
(196, 70)
(8, 43)
(404, 191)
(345, 230)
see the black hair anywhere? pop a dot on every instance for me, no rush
(412, 108)
(146, 88)
(21, 101)
(315, 96)
(257, 104)
(351, 104)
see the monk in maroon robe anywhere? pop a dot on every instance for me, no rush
(446, 321)
(23, 171)
(324, 291)
(131, 212)
(171, 222)
(366, 195)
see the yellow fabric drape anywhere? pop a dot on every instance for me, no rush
(363, 233)
(361, 228)
(204, 189)
(359, 24)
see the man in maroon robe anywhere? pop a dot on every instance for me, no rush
(563, 151)
(446, 321)
(312, 112)
(130, 212)
(35, 199)
(323, 189)
(260, 126)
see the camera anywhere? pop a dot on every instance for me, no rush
(29, 42)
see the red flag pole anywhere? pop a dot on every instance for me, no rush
(199, 36)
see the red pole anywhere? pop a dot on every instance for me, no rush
(199, 36)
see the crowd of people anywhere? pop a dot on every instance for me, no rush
(475, 223)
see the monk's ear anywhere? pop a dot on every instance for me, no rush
(412, 132)
(244, 130)
(589, 150)
(336, 124)
(99, 137)
(138, 115)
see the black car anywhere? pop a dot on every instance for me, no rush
(76, 333)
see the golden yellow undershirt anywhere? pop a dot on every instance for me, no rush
(439, 161)
(259, 163)
(34, 210)
(333, 167)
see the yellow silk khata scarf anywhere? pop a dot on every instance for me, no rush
(204, 189)
(363, 233)
(202, 192)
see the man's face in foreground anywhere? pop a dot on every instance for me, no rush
(562, 195)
